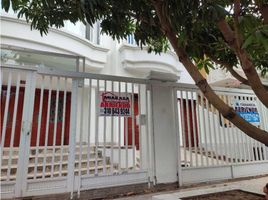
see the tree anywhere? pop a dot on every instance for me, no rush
(201, 32)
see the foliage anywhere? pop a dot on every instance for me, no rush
(194, 22)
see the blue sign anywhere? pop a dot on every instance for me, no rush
(250, 117)
(247, 110)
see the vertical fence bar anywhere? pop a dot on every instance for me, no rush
(259, 145)
(205, 128)
(233, 133)
(255, 150)
(89, 127)
(175, 99)
(244, 143)
(112, 136)
(6, 111)
(63, 126)
(221, 136)
(148, 135)
(13, 127)
(210, 134)
(247, 147)
(104, 137)
(250, 148)
(260, 150)
(194, 128)
(239, 141)
(242, 139)
(133, 127)
(55, 128)
(126, 131)
(72, 138)
(264, 152)
(39, 127)
(81, 135)
(229, 133)
(29, 118)
(119, 133)
(140, 135)
(235, 158)
(239, 144)
(199, 129)
(189, 130)
(251, 141)
(183, 129)
(96, 128)
(215, 134)
(47, 128)
(224, 134)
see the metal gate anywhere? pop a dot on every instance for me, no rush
(34, 149)
(210, 146)
(55, 139)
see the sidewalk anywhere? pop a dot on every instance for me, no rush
(254, 185)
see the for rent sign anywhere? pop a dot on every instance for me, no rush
(114, 104)
(247, 110)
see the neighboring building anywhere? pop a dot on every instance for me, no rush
(222, 78)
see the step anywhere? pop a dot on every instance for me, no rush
(57, 154)
(65, 162)
(64, 172)
(65, 148)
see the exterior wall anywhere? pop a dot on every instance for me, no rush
(108, 57)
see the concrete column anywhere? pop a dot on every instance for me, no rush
(164, 133)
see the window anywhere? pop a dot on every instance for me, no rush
(89, 32)
(93, 33)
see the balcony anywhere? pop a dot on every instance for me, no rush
(17, 33)
(137, 61)
(222, 78)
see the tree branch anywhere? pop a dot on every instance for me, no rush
(201, 82)
(238, 37)
(246, 63)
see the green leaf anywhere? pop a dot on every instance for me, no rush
(248, 42)
(206, 69)
(6, 5)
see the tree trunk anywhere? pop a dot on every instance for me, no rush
(246, 63)
(264, 12)
(201, 82)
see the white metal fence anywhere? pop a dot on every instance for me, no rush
(54, 137)
(210, 146)
(64, 131)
